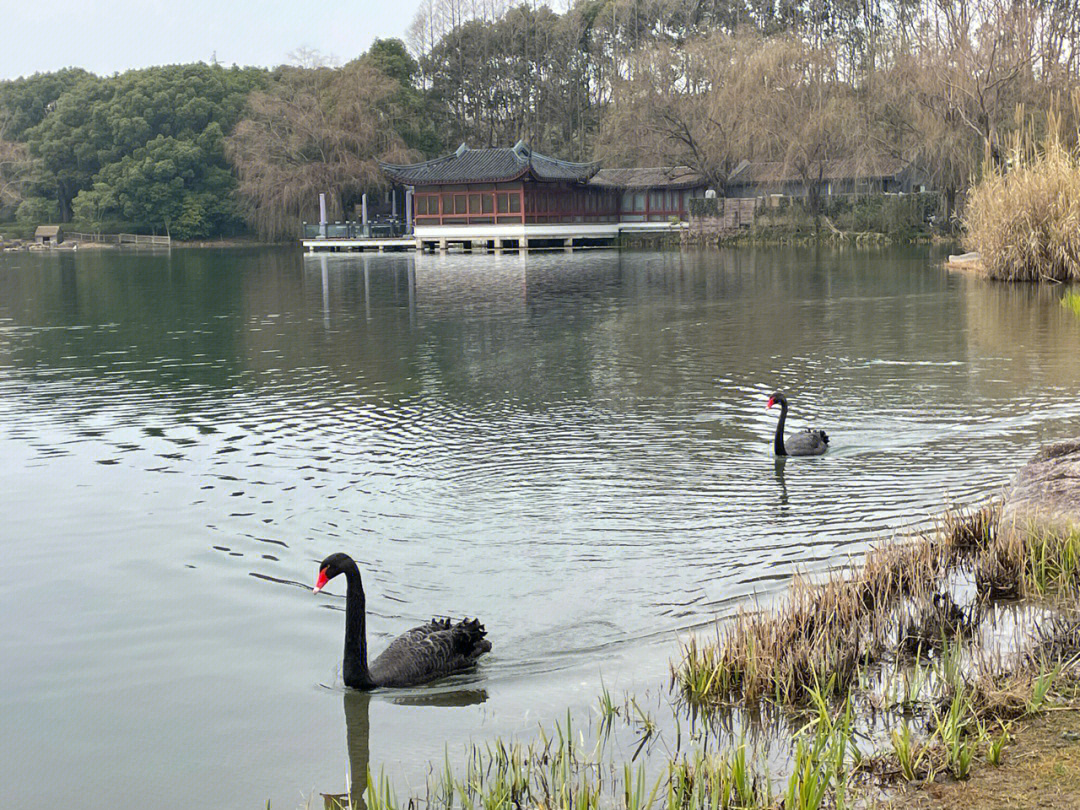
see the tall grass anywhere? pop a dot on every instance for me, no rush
(826, 632)
(1029, 562)
(892, 606)
(1023, 218)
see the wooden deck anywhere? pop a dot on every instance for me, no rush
(496, 238)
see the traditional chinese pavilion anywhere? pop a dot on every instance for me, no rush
(515, 197)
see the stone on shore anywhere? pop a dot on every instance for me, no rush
(1045, 495)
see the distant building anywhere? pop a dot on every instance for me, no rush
(503, 187)
(49, 235)
(518, 196)
(833, 177)
(498, 198)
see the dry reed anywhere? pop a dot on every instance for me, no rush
(1023, 218)
(822, 634)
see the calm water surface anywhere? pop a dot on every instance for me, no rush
(574, 447)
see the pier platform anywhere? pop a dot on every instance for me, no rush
(375, 244)
(495, 238)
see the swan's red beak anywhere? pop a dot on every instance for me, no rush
(772, 401)
(321, 581)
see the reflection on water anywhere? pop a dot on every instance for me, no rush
(779, 462)
(357, 738)
(441, 697)
(573, 448)
(358, 731)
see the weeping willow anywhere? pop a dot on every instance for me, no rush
(318, 131)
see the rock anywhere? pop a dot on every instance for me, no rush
(1045, 494)
(968, 262)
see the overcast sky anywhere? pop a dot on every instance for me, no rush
(108, 36)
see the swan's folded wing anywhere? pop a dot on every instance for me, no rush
(808, 442)
(424, 630)
(430, 651)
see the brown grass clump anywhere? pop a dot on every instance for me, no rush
(897, 606)
(1024, 218)
(823, 633)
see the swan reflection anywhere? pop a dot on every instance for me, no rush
(358, 734)
(779, 462)
(442, 697)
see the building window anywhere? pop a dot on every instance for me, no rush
(515, 204)
(459, 203)
(487, 203)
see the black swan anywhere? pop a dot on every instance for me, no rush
(417, 656)
(804, 443)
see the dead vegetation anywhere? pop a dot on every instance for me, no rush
(826, 631)
(898, 604)
(1023, 217)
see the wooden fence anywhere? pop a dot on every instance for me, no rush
(137, 239)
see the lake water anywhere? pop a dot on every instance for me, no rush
(573, 447)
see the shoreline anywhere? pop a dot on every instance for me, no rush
(934, 672)
(756, 238)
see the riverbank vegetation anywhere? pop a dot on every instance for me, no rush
(1022, 217)
(862, 219)
(919, 666)
(202, 150)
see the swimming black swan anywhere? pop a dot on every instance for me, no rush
(804, 443)
(417, 656)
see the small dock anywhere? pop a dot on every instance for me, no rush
(371, 244)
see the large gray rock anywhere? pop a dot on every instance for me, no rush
(1045, 495)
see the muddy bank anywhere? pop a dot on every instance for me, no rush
(1040, 768)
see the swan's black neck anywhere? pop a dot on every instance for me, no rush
(778, 442)
(354, 668)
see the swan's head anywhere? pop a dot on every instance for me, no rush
(330, 567)
(776, 398)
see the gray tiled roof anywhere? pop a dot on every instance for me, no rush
(747, 173)
(659, 177)
(488, 166)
